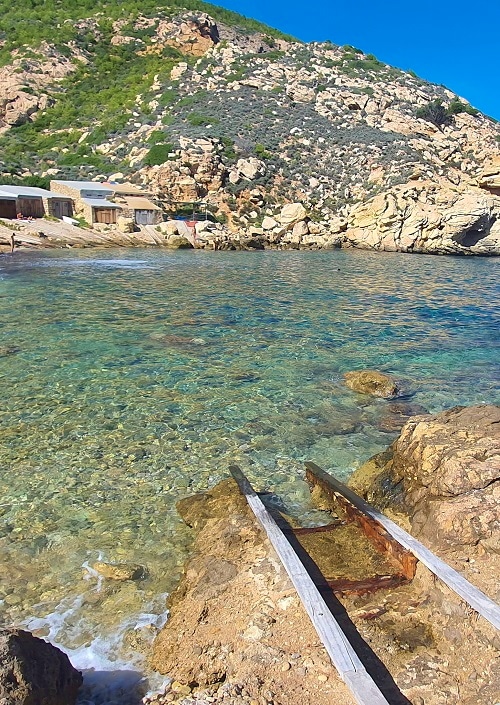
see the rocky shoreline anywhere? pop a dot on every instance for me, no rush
(237, 633)
(468, 227)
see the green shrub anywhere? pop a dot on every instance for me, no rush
(198, 120)
(456, 107)
(158, 154)
(435, 113)
(261, 151)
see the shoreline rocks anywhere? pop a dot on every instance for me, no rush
(33, 672)
(238, 635)
(446, 469)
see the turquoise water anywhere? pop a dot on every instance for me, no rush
(133, 378)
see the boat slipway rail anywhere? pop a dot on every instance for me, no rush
(345, 659)
(476, 599)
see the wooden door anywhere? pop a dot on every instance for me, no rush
(144, 217)
(7, 208)
(31, 207)
(105, 215)
(60, 208)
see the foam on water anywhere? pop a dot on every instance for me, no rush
(111, 674)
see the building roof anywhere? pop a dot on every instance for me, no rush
(126, 189)
(28, 192)
(141, 204)
(5, 196)
(84, 185)
(101, 203)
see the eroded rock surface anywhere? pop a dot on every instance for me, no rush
(33, 672)
(236, 619)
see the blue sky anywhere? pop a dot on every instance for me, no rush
(452, 42)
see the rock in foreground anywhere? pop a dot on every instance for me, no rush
(237, 627)
(447, 468)
(33, 672)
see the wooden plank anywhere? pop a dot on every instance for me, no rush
(342, 654)
(480, 602)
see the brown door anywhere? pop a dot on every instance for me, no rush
(32, 207)
(105, 215)
(7, 208)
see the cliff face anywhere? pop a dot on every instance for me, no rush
(202, 109)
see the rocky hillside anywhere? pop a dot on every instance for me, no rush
(200, 104)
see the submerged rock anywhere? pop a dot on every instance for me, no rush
(372, 382)
(33, 672)
(120, 571)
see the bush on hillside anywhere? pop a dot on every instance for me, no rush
(158, 154)
(456, 107)
(435, 112)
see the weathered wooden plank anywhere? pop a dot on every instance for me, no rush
(480, 602)
(342, 654)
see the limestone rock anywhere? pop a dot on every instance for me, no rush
(33, 672)
(269, 223)
(453, 455)
(169, 227)
(193, 33)
(418, 218)
(299, 229)
(125, 225)
(178, 70)
(178, 242)
(446, 468)
(250, 168)
(291, 213)
(489, 178)
(372, 382)
(120, 571)
(16, 107)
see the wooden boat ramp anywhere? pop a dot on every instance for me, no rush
(322, 563)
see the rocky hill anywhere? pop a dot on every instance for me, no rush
(200, 104)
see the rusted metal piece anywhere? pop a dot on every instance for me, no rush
(302, 530)
(382, 540)
(343, 586)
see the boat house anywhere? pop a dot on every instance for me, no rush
(90, 200)
(32, 202)
(136, 204)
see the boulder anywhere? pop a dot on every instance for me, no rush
(291, 213)
(178, 242)
(169, 227)
(372, 382)
(300, 229)
(444, 469)
(178, 70)
(250, 168)
(268, 223)
(33, 672)
(120, 571)
(125, 225)
(449, 467)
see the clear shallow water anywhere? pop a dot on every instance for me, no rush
(131, 379)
